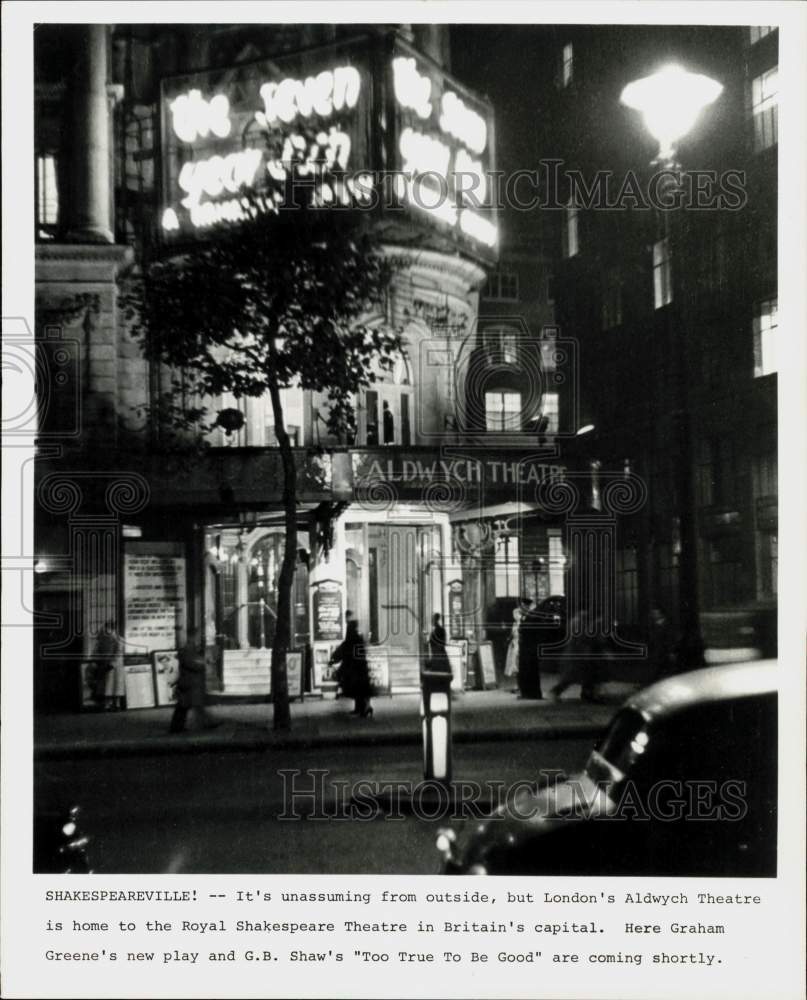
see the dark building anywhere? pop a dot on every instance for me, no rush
(676, 314)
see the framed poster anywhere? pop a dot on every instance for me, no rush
(294, 673)
(378, 668)
(166, 674)
(323, 670)
(327, 611)
(138, 682)
(457, 652)
(487, 666)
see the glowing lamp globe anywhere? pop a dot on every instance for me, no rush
(670, 102)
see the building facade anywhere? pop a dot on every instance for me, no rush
(144, 135)
(675, 310)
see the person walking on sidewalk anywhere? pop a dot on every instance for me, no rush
(438, 656)
(353, 673)
(529, 637)
(586, 649)
(190, 686)
(511, 660)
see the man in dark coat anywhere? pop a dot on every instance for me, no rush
(438, 656)
(529, 638)
(353, 674)
(190, 685)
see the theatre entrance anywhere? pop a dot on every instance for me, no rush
(393, 576)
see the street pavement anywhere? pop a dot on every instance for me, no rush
(493, 715)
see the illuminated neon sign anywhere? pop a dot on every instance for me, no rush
(340, 121)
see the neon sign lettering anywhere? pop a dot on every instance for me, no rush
(423, 154)
(194, 117)
(329, 91)
(459, 120)
(218, 174)
(412, 90)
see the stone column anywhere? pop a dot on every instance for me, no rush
(87, 214)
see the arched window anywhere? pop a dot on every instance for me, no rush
(386, 410)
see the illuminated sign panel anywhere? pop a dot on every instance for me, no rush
(366, 124)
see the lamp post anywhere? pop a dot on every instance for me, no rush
(670, 102)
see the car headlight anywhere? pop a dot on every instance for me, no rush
(477, 870)
(446, 840)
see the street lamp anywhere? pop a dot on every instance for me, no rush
(670, 101)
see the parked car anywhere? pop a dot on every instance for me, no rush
(683, 783)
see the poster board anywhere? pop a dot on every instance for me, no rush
(138, 681)
(324, 671)
(327, 611)
(294, 673)
(166, 674)
(457, 652)
(487, 666)
(155, 600)
(378, 668)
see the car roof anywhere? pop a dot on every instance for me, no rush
(713, 684)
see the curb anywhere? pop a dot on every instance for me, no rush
(262, 742)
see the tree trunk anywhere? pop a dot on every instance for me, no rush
(280, 685)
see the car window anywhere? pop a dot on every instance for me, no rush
(625, 740)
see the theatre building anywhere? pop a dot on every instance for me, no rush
(144, 136)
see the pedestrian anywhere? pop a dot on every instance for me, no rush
(190, 685)
(585, 650)
(511, 659)
(353, 673)
(529, 635)
(438, 655)
(103, 676)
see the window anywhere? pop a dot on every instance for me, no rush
(718, 474)
(47, 196)
(567, 65)
(503, 411)
(385, 412)
(551, 410)
(611, 301)
(557, 562)
(765, 109)
(765, 327)
(571, 245)
(502, 285)
(757, 31)
(507, 577)
(662, 274)
(502, 343)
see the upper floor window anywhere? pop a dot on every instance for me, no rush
(551, 410)
(567, 65)
(503, 411)
(502, 285)
(386, 411)
(571, 243)
(611, 300)
(757, 31)
(766, 322)
(662, 274)
(765, 108)
(502, 343)
(258, 430)
(47, 196)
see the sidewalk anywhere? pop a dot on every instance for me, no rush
(476, 716)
